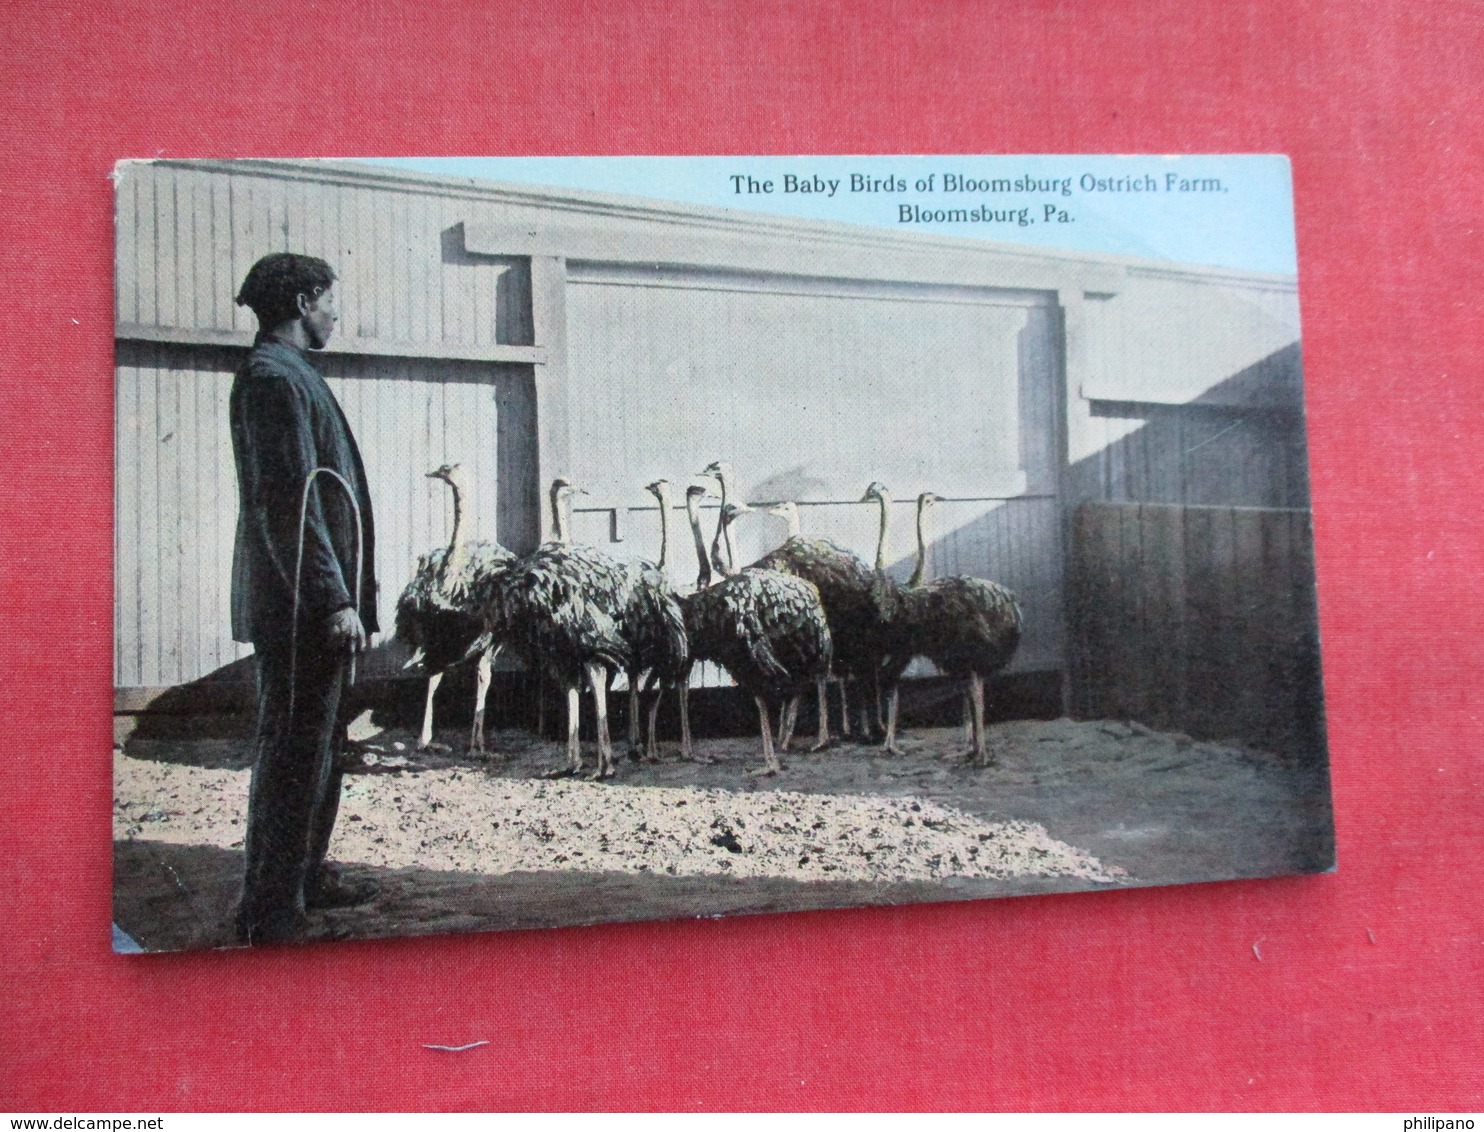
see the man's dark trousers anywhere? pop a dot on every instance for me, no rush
(295, 789)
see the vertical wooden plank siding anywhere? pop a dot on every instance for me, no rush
(176, 488)
(146, 247)
(1162, 583)
(1199, 619)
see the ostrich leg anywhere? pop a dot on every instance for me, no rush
(968, 714)
(425, 740)
(890, 745)
(481, 694)
(574, 745)
(687, 747)
(786, 720)
(844, 710)
(687, 742)
(976, 696)
(597, 679)
(635, 678)
(865, 717)
(770, 760)
(651, 748)
(822, 684)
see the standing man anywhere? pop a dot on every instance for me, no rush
(285, 424)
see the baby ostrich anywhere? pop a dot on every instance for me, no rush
(968, 627)
(562, 606)
(439, 614)
(766, 628)
(848, 589)
(654, 628)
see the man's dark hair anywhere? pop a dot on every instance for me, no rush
(275, 282)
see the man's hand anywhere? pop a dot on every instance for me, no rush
(346, 631)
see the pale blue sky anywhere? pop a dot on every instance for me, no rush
(1225, 211)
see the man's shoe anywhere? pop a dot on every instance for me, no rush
(253, 931)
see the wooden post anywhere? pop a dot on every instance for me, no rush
(549, 324)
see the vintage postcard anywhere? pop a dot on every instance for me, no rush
(514, 543)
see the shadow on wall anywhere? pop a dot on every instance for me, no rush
(1240, 444)
(1192, 602)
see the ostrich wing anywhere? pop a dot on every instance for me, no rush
(654, 624)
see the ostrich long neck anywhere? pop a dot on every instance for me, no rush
(921, 567)
(458, 554)
(723, 534)
(663, 495)
(693, 513)
(881, 543)
(559, 529)
(725, 530)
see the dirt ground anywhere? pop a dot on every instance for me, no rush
(462, 844)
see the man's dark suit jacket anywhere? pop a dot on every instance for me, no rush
(285, 422)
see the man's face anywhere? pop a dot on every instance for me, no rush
(319, 317)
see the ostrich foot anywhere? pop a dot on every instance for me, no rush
(768, 771)
(824, 744)
(434, 745)
(890, 749)
(560, 772)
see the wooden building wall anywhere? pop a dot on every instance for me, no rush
(1193, 394)
(1199, 619)
(812, 389)
(529, 333)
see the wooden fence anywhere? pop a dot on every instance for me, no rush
(1198, 619)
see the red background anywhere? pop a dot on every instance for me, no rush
(1135, 999)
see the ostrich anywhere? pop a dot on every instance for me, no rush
(903, 605)
(846, 586)
(693, 496)
(766, 628)
(894, 640)
(438, 614)
(563, 607)
(968, 627)
(654, 628)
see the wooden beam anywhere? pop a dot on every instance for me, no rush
(549, 323)
(355, 347)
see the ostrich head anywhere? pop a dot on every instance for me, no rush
(659, 489)
(876, 490)
(561, 499)
(718, 470)
(788, 510)
(451, 474)
(732, 511)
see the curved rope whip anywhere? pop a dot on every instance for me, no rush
(355, 508)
